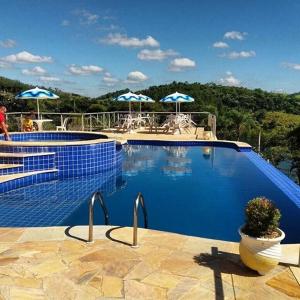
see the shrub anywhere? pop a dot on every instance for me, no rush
(262, 218)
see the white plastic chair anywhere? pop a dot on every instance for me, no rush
(64, 126)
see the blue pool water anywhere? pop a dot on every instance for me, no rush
(197, 191)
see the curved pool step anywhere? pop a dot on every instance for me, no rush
(24, 154)
(6, 169)
(13, 181)
(22, 162)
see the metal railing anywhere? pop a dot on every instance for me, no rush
(96, 196)
(98, 120)
(139, 199)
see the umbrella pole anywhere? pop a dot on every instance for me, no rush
(38, 108)
(141, 108)
(130, 108)
(176, 108)
(179, 107)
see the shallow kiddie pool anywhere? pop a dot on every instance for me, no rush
(71, 153)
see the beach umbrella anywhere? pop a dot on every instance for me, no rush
(145, 99)
(128, 97)
(37, 94)
(177, 98)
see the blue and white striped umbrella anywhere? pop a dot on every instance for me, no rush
(37, 94)
(177, 98)
(128, 97)
(144, 98)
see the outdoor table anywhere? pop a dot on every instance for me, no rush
(39, 123)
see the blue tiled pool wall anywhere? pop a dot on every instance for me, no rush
(70, 160)
(79, 160)
(190, 143)
(73, 161)
(50, 203)
(55, 136)
(25, 181)
(285, 184)
(32, 163)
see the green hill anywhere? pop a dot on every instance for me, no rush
(241, 112)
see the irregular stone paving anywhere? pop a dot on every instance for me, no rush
(49, 263)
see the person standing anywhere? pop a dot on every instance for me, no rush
(3, 125)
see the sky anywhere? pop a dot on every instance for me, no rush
(94, 47)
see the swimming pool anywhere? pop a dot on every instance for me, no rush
(194, 190)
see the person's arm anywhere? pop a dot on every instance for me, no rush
(4, 128)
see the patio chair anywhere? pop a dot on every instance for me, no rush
(64, 126)
(165, 127)
(184, 122)
(125, 124)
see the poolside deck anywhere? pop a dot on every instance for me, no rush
(55, 263)
(143, 135)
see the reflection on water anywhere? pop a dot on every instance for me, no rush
(142, 159)
(176, 151)
(176, 171)
(206, 152)
(177, 163)
(137, 159)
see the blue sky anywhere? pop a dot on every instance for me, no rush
(94, 47)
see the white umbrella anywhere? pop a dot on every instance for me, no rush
(177, 98)
(37, 94)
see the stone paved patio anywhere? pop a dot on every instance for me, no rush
(57, 263)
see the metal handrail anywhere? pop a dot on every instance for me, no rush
(96, 196)
(139, 199)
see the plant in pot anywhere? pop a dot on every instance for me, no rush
(260, 247)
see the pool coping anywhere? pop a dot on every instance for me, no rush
(71, 143)
(239, 146)
(284, 183)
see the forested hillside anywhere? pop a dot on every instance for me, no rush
(241, 113)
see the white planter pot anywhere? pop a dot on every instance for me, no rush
(260, 254)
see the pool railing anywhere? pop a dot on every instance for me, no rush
(100, 120)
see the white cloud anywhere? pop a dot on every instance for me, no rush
(84, 70)
(241, 54)
(86, 17)
(4, 65)
(8, 43)
(49, 78)
(34, 71)
(220, 45)
(110, 81)
(230, 80)
(124, 41)
(136, 77)
(181, 64)
(292, 66)
(26, 57)
(157, 54)
(65, 23)
(235, 35)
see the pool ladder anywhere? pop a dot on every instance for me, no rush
(98, 196)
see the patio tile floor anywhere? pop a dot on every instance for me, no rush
(40, 263)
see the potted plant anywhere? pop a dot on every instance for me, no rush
(260, 247)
